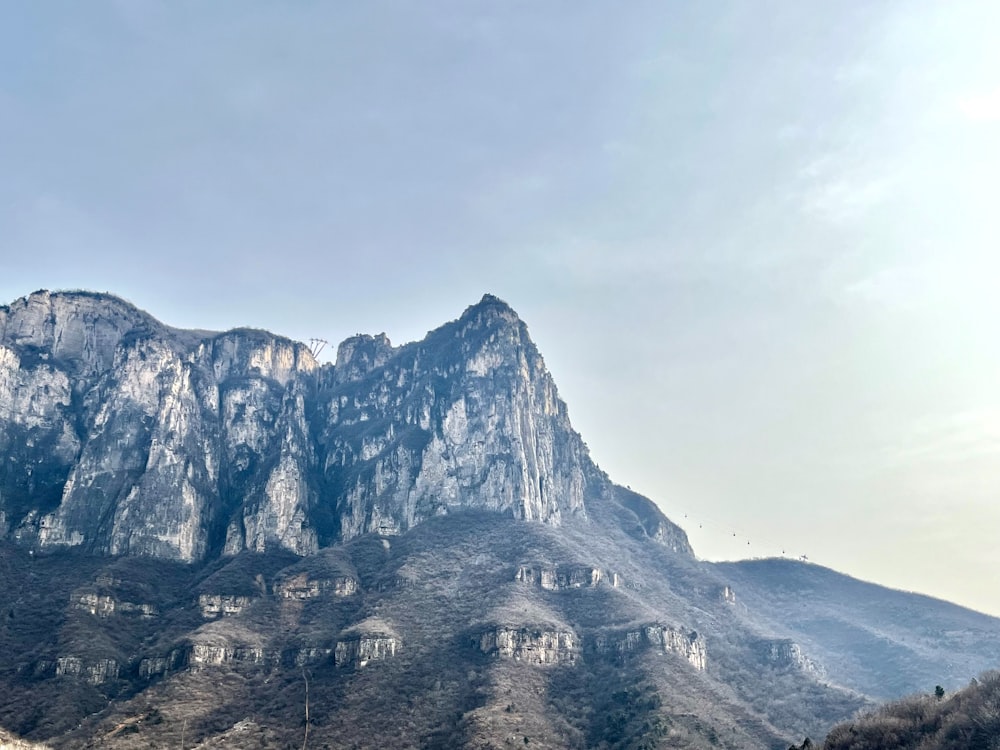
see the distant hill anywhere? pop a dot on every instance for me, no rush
(878, 641)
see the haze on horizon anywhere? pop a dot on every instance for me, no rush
(756, 243)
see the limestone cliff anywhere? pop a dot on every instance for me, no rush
(534, 645)
(784, 653)
(124, 436)
(467, 418)
(558, 578)
(371, 640)
(664, 638)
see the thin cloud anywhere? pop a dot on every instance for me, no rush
(983, 107)
(829, 188)
(898, 287)
(951, 438)
(843, 199)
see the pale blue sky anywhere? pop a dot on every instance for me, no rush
(756, 242)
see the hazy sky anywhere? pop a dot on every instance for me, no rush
(756, 242)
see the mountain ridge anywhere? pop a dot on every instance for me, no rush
(178, 395)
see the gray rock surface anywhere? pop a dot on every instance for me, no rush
(664, 638)
(534, 645)
(126, 437)
(359, 650)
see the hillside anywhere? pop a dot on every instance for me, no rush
(966, 720)
(881, 642)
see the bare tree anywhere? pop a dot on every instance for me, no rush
(305, 736)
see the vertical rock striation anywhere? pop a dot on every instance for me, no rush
(126, 437)
(534, 645)
(666, 639)
(467, 418)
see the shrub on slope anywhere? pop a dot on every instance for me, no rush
(966, 720)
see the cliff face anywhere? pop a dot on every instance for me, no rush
(663, 638)
(533, 645)
(125, 436)
(469, 417)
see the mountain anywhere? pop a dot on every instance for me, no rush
(881, 642)
(209, 537)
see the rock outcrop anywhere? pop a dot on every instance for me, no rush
(158, 666)
(95, 671)
(689, 645)
(146, 431)
(222, 605)
(304, 587)
(534, 645)
(228, 643)
(107, 606)
(784, 653)
(558, 578)
(467, 418)
(359, 650)
(204, 655)
(370, 640)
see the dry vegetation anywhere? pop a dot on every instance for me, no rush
(966, 720)
(10, 742)
(436, 589)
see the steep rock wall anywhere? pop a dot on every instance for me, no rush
(126, 437)
(664, 638)
(533, 645)
(360, 650)
(469, 417)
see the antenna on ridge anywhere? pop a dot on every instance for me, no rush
(316, 346)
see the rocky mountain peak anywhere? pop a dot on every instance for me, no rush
(466, 418)
(81, 329)
(250, 352)
(491, 305)
(360, 354)
(491, 316)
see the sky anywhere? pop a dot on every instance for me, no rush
(756, 242)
